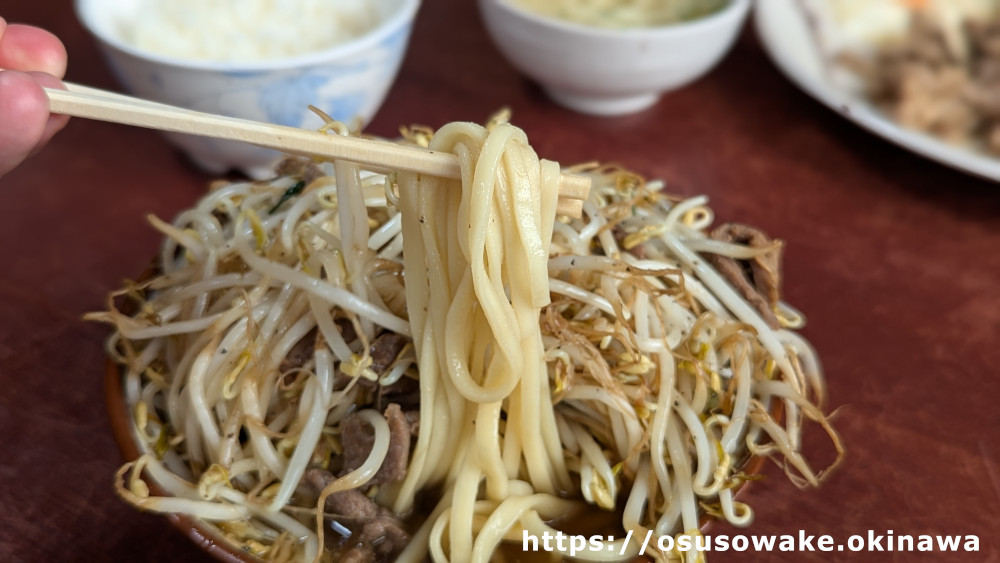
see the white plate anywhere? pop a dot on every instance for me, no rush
(784, 30)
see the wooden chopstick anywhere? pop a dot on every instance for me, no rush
(92, 103)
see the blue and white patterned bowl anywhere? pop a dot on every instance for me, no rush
(348, 81)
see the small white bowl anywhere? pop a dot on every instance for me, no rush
(348, 81)
(604, 71)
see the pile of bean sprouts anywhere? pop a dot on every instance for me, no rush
(564, 364)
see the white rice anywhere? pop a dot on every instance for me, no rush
(245, 30)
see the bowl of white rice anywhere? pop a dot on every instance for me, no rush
(265, 60)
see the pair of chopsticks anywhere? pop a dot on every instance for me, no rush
(92, 103)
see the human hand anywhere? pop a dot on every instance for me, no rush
(36, 59)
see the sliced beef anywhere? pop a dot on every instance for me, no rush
(358, 554)
(385, 349)
(405, 393)
(358, 438)
(413, 419)
(352, 504)
(300, 353)
(376, 533)
(758, 279)
(304, 349)
(385, 536)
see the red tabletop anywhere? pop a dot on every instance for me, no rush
(894, 259)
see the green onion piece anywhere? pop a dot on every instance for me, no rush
(291, 192)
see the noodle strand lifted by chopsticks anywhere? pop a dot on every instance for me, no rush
(488, 346)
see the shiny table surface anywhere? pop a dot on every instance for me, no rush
(894, 259)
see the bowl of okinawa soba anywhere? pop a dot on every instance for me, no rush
(323, 365)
